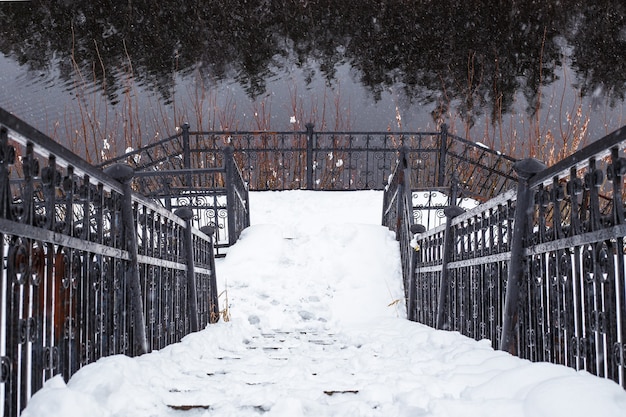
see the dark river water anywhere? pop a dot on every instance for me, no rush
(103, 76)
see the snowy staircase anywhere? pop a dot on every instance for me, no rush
(295, 289)
(281, 341)
(247, 368)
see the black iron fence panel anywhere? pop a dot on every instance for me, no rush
(328, 160)
(270, 160)
(469, 255)
(441, 159)
(352, 160)
(573, 302)
(199, 171)
(540, 271)
(237, 198)
(477, 265)
(429, 205)
(90, 268)
(210, 208)
(481, 172)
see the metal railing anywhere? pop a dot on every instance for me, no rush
(188, 169)
(215, 192)
(90, 268)
(538, 270)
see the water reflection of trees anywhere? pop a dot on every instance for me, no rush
(474, 54)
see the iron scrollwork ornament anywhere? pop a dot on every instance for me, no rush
(18, 261)
(5, 369)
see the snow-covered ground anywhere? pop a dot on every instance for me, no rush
(317, 328)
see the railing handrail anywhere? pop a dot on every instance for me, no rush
(22, 133)
(304, 132)
(138, 150)
(597, 149)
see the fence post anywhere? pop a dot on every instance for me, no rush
(7, 158)
(402, 180)
(416, 229)
(229, 165)
(443, 146)
(186, 152)
(525, 169)
(454, 190)
(186, 214)
(309, 155)
(214, 309)
(448, 247)
(124, 174)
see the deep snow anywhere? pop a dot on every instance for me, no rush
(318, 328)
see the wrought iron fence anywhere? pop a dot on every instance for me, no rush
(397, 214)
(214, 191)
(188, 169)
(572, 285)
(538, 270)
(328, 160)
(90, 268)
